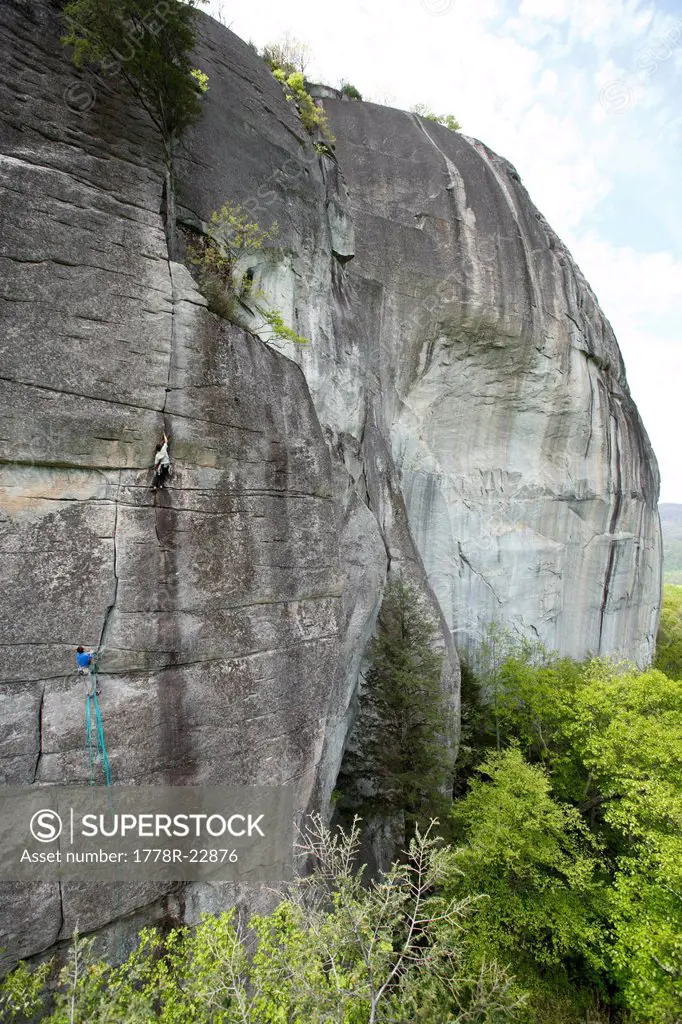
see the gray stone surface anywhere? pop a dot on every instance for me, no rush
(529, 481)
(461, 416)
(217, 606)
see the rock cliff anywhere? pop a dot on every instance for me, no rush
(461, 415)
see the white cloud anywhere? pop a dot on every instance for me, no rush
(545, 10)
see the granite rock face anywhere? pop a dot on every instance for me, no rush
(461, 416)
(465, 332)
(529, 482)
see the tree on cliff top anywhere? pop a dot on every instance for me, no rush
(149, 47)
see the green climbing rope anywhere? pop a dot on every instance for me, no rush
(92, 704)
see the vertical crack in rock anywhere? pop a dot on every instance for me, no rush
(370, 487)
(457, 192)
(614, 453)
(107, 614)
(61, 910)
(177, 753)
(591, 416)
(172, 342)
(40, 736)
(504, 183)
(171, 357)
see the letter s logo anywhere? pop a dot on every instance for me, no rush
(46, 826)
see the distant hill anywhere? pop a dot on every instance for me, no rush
(671, 521)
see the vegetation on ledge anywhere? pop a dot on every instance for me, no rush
(217, 259)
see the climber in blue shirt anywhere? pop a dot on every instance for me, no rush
(86, 661)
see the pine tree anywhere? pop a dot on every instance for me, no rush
(149, 48)
(399, 761)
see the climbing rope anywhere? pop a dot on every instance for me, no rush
(98, 751)
(92, 704)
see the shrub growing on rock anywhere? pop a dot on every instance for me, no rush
(350, 91)
(232, 237)
(313, 118)
(447, 120)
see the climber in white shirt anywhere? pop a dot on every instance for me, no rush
(162, 465)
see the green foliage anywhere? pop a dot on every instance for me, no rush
(611, 738)
(313, 118)
(447, 120)
(398, 762)
(349, 90)
(499, 648)
(232, 236)
(220, 301)
(289, 54)
(535, 862)
(337, 949)
(279, 329)
(22, 993)
(669, 640)
(150, 50)
(235, 234)
(288, 67)
(201, 79)
(476, 735)
(288, 60)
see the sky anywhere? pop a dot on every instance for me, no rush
(583, 97)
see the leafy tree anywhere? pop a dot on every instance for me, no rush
(288, 60)
(399, 763)
(231, 237)
(476, 736)
(536, 866)
(612, 739)
(22, 993)
(498, 648)
(313, 118)
(149, 47)
(669, 641)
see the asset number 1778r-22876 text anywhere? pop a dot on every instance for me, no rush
(165, 856)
